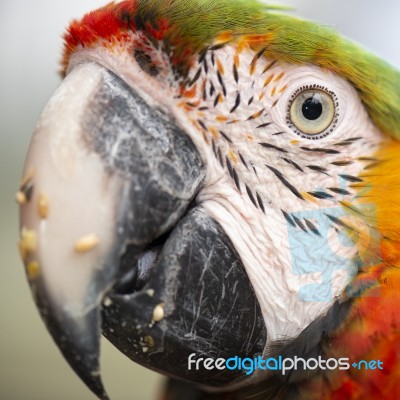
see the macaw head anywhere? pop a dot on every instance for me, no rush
(192, 185)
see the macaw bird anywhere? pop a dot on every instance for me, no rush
(218, 180)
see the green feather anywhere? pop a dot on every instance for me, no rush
(196, 23)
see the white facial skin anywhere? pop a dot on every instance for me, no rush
(61, 170)
(279, 259)
(289, 173)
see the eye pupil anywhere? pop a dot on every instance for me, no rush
(312, 112)
(312, 108)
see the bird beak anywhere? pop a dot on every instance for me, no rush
(106, 181)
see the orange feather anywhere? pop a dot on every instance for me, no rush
(372, 329)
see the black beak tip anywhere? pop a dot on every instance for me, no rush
(94, 383)
(85, 363)
(86, 366)
(79, 342)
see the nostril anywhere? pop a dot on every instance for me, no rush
(138, 269)
(127, 283)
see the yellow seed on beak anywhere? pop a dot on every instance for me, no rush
(27, 244)
(86, 243)
(33, 270)
(20, 198)
(158, 313)
(43, 206)
(149, 341)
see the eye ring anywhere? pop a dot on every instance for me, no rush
(313, 112)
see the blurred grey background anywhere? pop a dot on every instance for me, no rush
(31, 367)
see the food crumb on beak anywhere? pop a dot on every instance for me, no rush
(107, 302)
(86, 243)
(27, 244)
(43, 206)
(95, 373)
(20, 198)
(158, 313)
(33, 269)
(149, 341)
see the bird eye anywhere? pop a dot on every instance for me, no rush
(312, 112)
